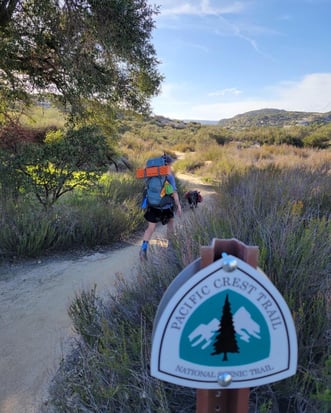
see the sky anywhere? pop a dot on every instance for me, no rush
(221, 58)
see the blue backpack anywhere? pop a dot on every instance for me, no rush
(154, 186)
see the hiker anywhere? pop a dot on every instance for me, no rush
(166, 215)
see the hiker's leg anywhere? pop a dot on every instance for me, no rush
(147, 236)
(149, 231)
(170, 228)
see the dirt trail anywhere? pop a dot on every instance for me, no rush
(34, 325)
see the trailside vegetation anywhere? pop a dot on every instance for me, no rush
(57, 191)
(286, 213)
(274, 196)
(46, 168)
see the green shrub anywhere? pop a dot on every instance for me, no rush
(26, 231)
(83, 219)
(94, 224)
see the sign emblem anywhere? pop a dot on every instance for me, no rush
(226, 330)
(212, 322)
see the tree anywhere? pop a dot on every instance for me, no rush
(57, 165)
(79, 51)
(225, 341)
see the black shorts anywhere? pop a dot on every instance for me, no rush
(156, 215)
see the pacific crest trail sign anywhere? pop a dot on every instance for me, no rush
(223, 325)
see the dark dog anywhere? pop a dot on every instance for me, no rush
(193, 198)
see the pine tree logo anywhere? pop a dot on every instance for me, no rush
(225, 341)
(225, 330)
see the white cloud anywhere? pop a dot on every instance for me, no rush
(312, 93)
(199, 8)
(207, 8)
(226, 91)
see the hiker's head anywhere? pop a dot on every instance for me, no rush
(168, 159)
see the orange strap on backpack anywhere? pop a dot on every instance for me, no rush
(153, 171)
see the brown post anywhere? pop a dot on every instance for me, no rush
(225, 400)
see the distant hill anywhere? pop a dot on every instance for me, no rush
(275, 117)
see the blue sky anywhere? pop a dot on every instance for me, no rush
(223, 57)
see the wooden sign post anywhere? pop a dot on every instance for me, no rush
(231, 400)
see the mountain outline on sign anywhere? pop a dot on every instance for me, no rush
(244, 325)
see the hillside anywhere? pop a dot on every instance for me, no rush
(275, 117)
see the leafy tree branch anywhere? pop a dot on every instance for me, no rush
(79, 51)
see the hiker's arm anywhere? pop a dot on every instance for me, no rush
(178, 205)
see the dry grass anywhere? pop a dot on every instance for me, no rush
(216, 162)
